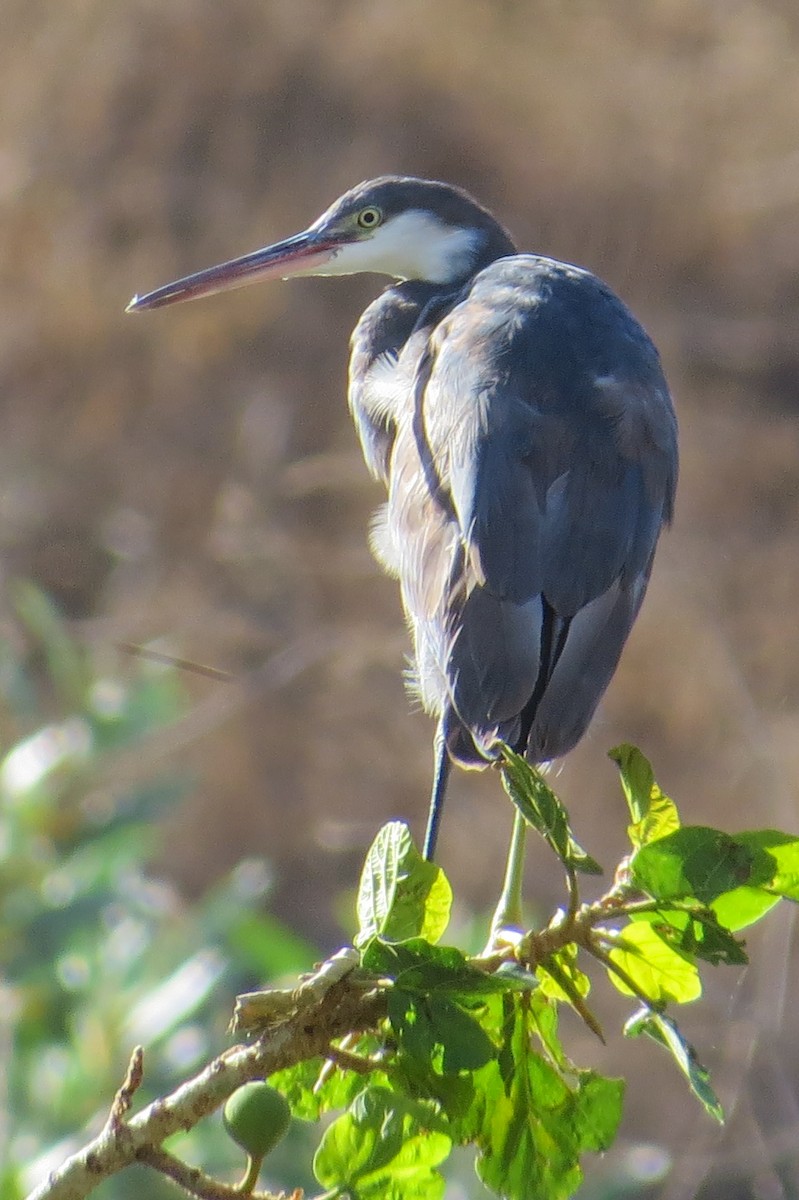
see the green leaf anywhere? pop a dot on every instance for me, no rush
(561, 978)
(543, 1014)
(541, 808)
(665, 1032)
(401, 895)
(659, 972)
(436, 1029)
(451, 1094)
(697, 933)
(300, 1084)
(777, 856)
(654, 814)
(599, 1110)
(393, 959)
(698, 863)
(782, 851)
(743, 906)
(417, 966)
(433, 986)
(531, 1122)
(379, 1149)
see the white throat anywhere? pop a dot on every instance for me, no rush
(413, 245)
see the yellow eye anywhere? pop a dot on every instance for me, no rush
(369, 218)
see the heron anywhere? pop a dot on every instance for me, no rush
(519, 418)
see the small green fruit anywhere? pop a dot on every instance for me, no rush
(257, 1117)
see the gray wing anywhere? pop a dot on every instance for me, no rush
(548, 423)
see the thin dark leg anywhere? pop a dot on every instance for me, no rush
(439, 790)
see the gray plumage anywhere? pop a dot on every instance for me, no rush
(518, 416)
(524, 431)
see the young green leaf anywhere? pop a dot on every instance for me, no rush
(697, 863)
(654, 814)
(563, 980)
(533, 1123)
(541, 808)
(659, 972)
(401, 895)
(664, 1031)
(379, 1150)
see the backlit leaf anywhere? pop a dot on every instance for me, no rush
(743, 906)
(532, 1122)
(401, 895)
(417, 966)
(664, 1031)
(561, 978)
(696, 862)
(542, 809)
(697, 933)
(309, 1098)
(658, 971)
(782, 850)
(654, 814)
(777, 856)
(379, 1150)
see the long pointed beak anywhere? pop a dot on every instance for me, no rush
(298, 255)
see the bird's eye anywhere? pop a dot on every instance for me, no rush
(369, 218)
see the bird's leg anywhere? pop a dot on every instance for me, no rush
(506, 925)
(442, 765)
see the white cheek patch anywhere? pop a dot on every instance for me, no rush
(414, 245)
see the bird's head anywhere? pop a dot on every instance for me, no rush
(399, 226)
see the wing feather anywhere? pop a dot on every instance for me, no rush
(550, 429)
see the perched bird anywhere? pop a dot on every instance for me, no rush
(518, 416)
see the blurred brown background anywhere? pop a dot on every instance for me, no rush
(192, 476)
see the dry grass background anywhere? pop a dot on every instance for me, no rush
(191, 476)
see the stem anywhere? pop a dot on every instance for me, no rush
(574, 895)
(591, 946)
(248, 1181)
(602, 911)
(192, 1180)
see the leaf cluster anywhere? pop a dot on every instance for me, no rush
(470, 1053)
(458, 1050)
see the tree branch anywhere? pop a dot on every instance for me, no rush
(194, 1181)
(344, 1007)
(292, 1026)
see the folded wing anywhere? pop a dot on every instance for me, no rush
(545, 423)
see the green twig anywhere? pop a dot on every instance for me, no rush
(508, 913)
